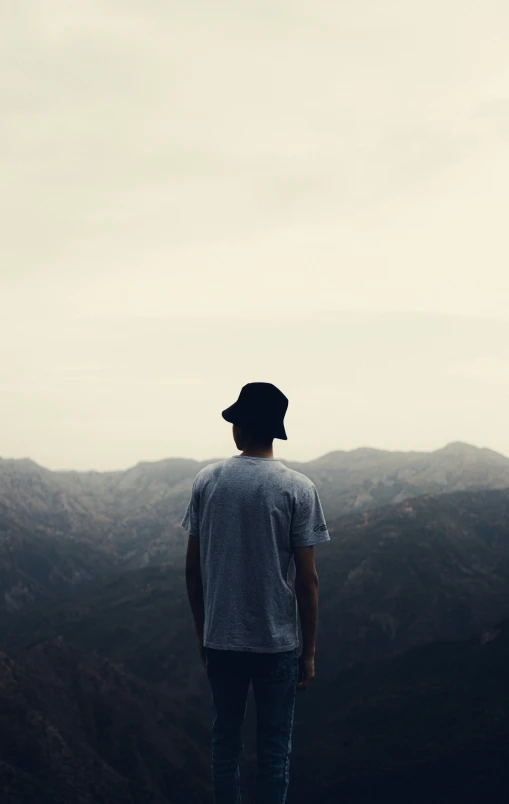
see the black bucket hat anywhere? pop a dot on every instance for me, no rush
(259, 404)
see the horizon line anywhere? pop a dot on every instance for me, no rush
(287, 460)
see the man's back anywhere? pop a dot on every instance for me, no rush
(249, 514)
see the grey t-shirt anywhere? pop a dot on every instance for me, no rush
(248, 514)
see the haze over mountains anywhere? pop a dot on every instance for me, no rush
(411, 648)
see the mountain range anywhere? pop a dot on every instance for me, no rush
(102, 694)
(84, 524)
(435, 567)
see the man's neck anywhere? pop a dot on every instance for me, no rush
(252, 454)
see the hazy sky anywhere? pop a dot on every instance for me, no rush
(197, 195)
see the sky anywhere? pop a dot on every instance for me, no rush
(199, 195)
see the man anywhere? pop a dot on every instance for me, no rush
(253, 523)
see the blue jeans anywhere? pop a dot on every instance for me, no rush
(274, 677)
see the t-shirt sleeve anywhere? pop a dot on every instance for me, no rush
(191, 520)
(308, 522)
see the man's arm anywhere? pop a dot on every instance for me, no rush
(194, 584)
(306, 590)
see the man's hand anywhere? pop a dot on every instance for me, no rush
(306, 671)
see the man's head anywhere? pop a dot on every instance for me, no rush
(257, 418)
(252, 438)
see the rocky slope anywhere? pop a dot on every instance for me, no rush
(76, 728)
(428, 725)
(433, 568)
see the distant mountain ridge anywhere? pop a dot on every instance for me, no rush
(366, 478)
(457, 448)
(82, 524)
(91, 502)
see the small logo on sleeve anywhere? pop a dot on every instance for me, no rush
(320, 527)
